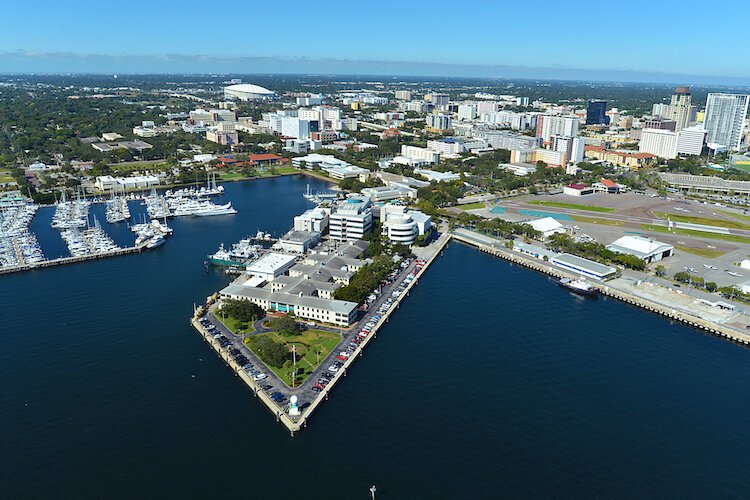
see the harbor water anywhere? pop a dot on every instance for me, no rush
(489, 381)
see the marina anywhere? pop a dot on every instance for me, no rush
(408, 386)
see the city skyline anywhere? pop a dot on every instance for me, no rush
(410, 40)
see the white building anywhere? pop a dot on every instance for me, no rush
(447, 146)
(432, 175)
(690, 140)
(248, 92)
(298, 128)
(271, 265)
(547, 226)
(420, 154)
(404, 226)
(659, 142)
(467, 111)
(109, 183)
(519, 169)
(352, 219)
(439, 121)
(549, 125)
(298, 242)
(724, 120)
(385, 193)
(315, 219)
(646, 249)
(403, 95)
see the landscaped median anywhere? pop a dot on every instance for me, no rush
(275, 350)
(572, 206)
(472, 206)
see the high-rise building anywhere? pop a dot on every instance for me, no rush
(440, 99)
(352, 219)
(596, 113)
(680, 107)
(467, 111)
(549, 125)
(662, 143)
(403, 95)
(690, 140)
(439, 122)
(724, 120)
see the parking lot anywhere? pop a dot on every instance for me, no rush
(378, 304)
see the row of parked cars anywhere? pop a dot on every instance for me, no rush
(236, 354)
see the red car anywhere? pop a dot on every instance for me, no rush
(341, 358)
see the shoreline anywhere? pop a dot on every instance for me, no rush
(295, 425)
(695, 321)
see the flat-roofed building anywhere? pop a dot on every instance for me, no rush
(705, 183)
(298, 241)
(337, 312)
(271, 265)
(584, 267)
(352, 219)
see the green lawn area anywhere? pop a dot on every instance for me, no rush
(5, 177)
(736, 215)
(308, 344)
(573, 206)
(230, 176)
(706, 221)
(234, 324)
(701, 252)
(698, 234)
(287, 170)
(597, 220)
(472, 206)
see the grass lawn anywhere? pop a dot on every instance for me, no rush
(699, 234)
(736, 215)
(574, 206)
(472, 206)
(5, 177)
(308, 344)
(706, 221)
(597, 220)
(234, 324)
(287, 170)
(701, 252)
(230, 176)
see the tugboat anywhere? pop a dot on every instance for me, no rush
(579, 286)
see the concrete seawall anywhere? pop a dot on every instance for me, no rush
(609, 291)
(295, 424)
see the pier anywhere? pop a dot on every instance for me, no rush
(71, 260)
(693, 320)
(296, 424)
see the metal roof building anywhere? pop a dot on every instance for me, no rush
(248, 92)
(584, 267)
(646, 249)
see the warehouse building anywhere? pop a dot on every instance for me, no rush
(646, 249)
(584, 267)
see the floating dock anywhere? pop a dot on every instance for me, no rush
(71, 260)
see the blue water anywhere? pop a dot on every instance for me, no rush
(497, 210)
(538, 213)
(490, 381)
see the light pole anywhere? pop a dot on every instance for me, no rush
(372, 491)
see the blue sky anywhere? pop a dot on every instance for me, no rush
(656, 38)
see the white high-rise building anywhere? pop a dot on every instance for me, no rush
(725, 120)
(439, 122)
(352, 219)
(690, 140)
(292, 126)
(659, 142)
(549, 125)
(467, 111)
(403, 95)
